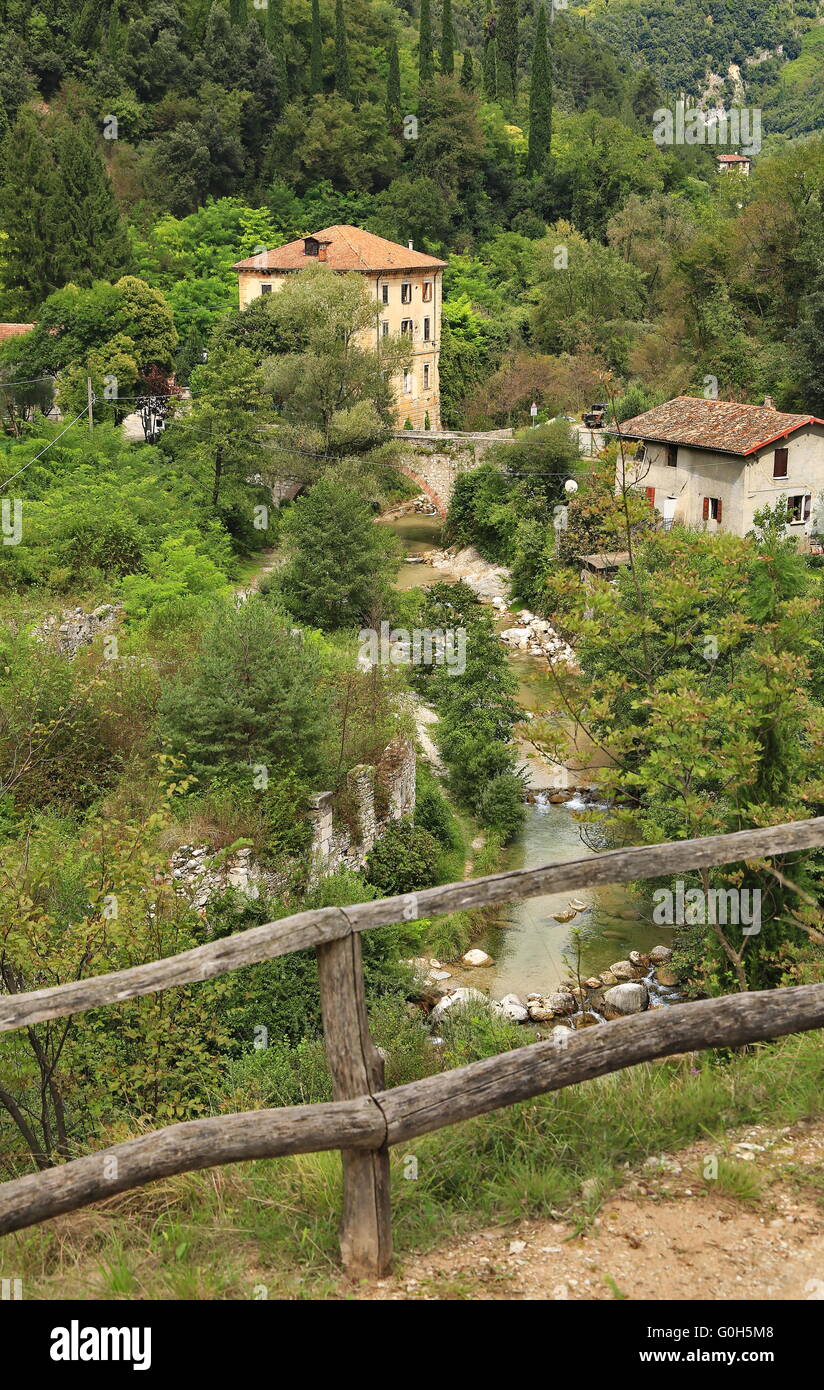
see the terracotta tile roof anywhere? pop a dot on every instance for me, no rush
(733, 159)
(13, 330)
(723, 426)
(348, 248)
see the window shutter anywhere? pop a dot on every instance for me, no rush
(706, 512)
(720, 509)
(780, 463)
(650, 491)
(807, 506)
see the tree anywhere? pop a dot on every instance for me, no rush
(507, 39)
(540, 100)
(226, 416)
(447, 40)
(316, 51)
(29, 214)
(343, 79)
(404, 859)
(276, 41)
(93, 239)
(467, 73)
(340, 563)
(393, 84)
(253, 698)
(426, 59)
(490, 61)
(238, 13)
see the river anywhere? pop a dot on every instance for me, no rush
(530, 950)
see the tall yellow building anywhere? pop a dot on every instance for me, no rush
(406, 284)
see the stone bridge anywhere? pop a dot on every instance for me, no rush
(435, 459)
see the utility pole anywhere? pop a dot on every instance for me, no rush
(90, 398)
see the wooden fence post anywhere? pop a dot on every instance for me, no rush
(357, 1071)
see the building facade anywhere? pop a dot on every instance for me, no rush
(714, 464)
(406, 286)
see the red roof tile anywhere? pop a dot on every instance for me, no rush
(13, 330)
(723, 426)
(348, 248)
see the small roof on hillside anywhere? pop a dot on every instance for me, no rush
(733, 159)
(347, 248)
(13, 330)
(725, 427)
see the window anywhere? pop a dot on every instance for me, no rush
(426, 376)
(426, 327)
(384, 294)
(799, 508)
(780, 463)
(406, 327)
(712, 509)
(427, 291)
(407, 381)
(672, 456)
(266, 289)
(310, 246)
(406, 293)
(384, 328)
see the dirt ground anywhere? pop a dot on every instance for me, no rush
(755, 1232)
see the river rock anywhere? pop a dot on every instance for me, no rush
(561, 1003)
(607, 978)
(635, 958)
(628, 998)
(659, 955)
(665, 976)
(624, 970)
(461, 999)
(515, 636)
(510, 1008)
(594, 982)
(560, 1035)
(477, 957)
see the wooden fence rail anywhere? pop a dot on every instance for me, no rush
(364, 1120)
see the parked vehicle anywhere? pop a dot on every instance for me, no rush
(595, 416)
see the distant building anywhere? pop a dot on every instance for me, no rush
(716, 463)
(14, 330)
(733, 164)
(406, 284)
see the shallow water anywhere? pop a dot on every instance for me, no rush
(529, 949)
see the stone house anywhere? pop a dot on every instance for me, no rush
(405, 284)
(733, 164)
(714, 464)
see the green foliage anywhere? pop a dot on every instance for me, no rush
(540, 99)
(402, 860)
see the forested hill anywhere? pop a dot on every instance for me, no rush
(770, 52)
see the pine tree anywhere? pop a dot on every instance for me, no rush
(316, 51)
(426, 60)
(92, 240)
(540, 100)
(468, 73)
(238, 13)
(393, 84)
(28, 199)
(447, 39)
(114, 34)
(491, 66)
(343, 79)
(276, 43)
(507, 39)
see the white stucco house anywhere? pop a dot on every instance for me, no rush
(714, 464)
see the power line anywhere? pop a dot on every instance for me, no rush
(48, 446)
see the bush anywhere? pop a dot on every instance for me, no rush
(403, 859)
(501, 805)
(432, 811)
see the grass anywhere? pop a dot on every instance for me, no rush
(269, 1229)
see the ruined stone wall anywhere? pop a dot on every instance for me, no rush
(436, 461)
(378, 795)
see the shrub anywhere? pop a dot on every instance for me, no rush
(501, 805)
(403, 859)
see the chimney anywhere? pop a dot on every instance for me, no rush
(410, 246)
(322, 249)
(769, 403)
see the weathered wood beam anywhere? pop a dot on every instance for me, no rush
(357, 1070)
(415, 1109)
(307, 929)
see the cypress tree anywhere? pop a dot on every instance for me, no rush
(491, 67)
(540, 100)
(468, 73)
(343, 79)
(426, 59)
(316, 51)
(237, 12)
(447, 39)
(507, 38)
(276, 43)
(393, 83)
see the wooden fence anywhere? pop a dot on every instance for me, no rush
(364, 1120)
